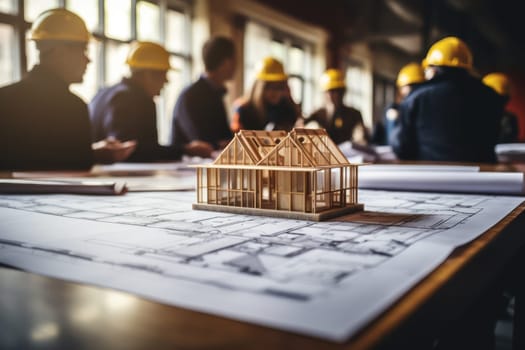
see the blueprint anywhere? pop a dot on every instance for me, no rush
(323, 279)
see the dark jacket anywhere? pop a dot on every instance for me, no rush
(340, 126)
(200, 114)
(279, 117)
(124, 111)
(453, 117)
(43, 125)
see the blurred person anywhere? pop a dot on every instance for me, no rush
(453, 116)
(200, 120)
(408, 79)
(42, 124)
(127, 110)
(269, 104)
(343, 123)
(509, 121)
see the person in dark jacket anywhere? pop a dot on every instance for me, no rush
(200, 121)
(500, 83)
(451, 117)
(343, 123)
(269, 104)
(126, 111)
(42, 124)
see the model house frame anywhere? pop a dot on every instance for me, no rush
(300, 175)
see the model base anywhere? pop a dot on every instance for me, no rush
(324, 215)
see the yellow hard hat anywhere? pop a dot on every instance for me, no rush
(499, 82)
(148, 55)
(450, 52)
(270, 69)
(332, 79)
(59, 24)
(412, 73)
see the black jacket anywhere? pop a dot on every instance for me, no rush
(200, 114)
(43, 125)
(279, 117)
(124, 111)
(453, 117)
(340, 126)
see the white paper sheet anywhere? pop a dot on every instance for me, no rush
(419, 167)
(385, 153)
(138, 177)
(444, 181)
(510, 148)
(163, 182)
(324, 279)
(510, 152)
(357, 153)
(148, 167)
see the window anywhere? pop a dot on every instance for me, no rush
(278, 50)
(176, 22)
(117, 19)
(384, 94)
(89, 86)
(114, 59)
(114, 24)
(7, 54)
(9, 66)
(354, 83)
(296, 69)
(8, 6)
(88, 10)
(148, 21)
(359, 90)
(295, 54)
(34, 7)
(177, 79)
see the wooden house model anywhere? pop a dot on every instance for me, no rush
(299, 175)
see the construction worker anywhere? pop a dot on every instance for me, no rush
(42, 124)
(453, 116)
(269, 104)
(200, 121)
(509, 121)
(343, 123)
(127, 111)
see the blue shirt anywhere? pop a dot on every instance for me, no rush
(200, 114)
(124, 111)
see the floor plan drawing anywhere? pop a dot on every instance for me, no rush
(271, 271)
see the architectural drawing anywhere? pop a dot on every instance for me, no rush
(296, 175)
(325, 279)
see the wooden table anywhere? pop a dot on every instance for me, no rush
(46, 313)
